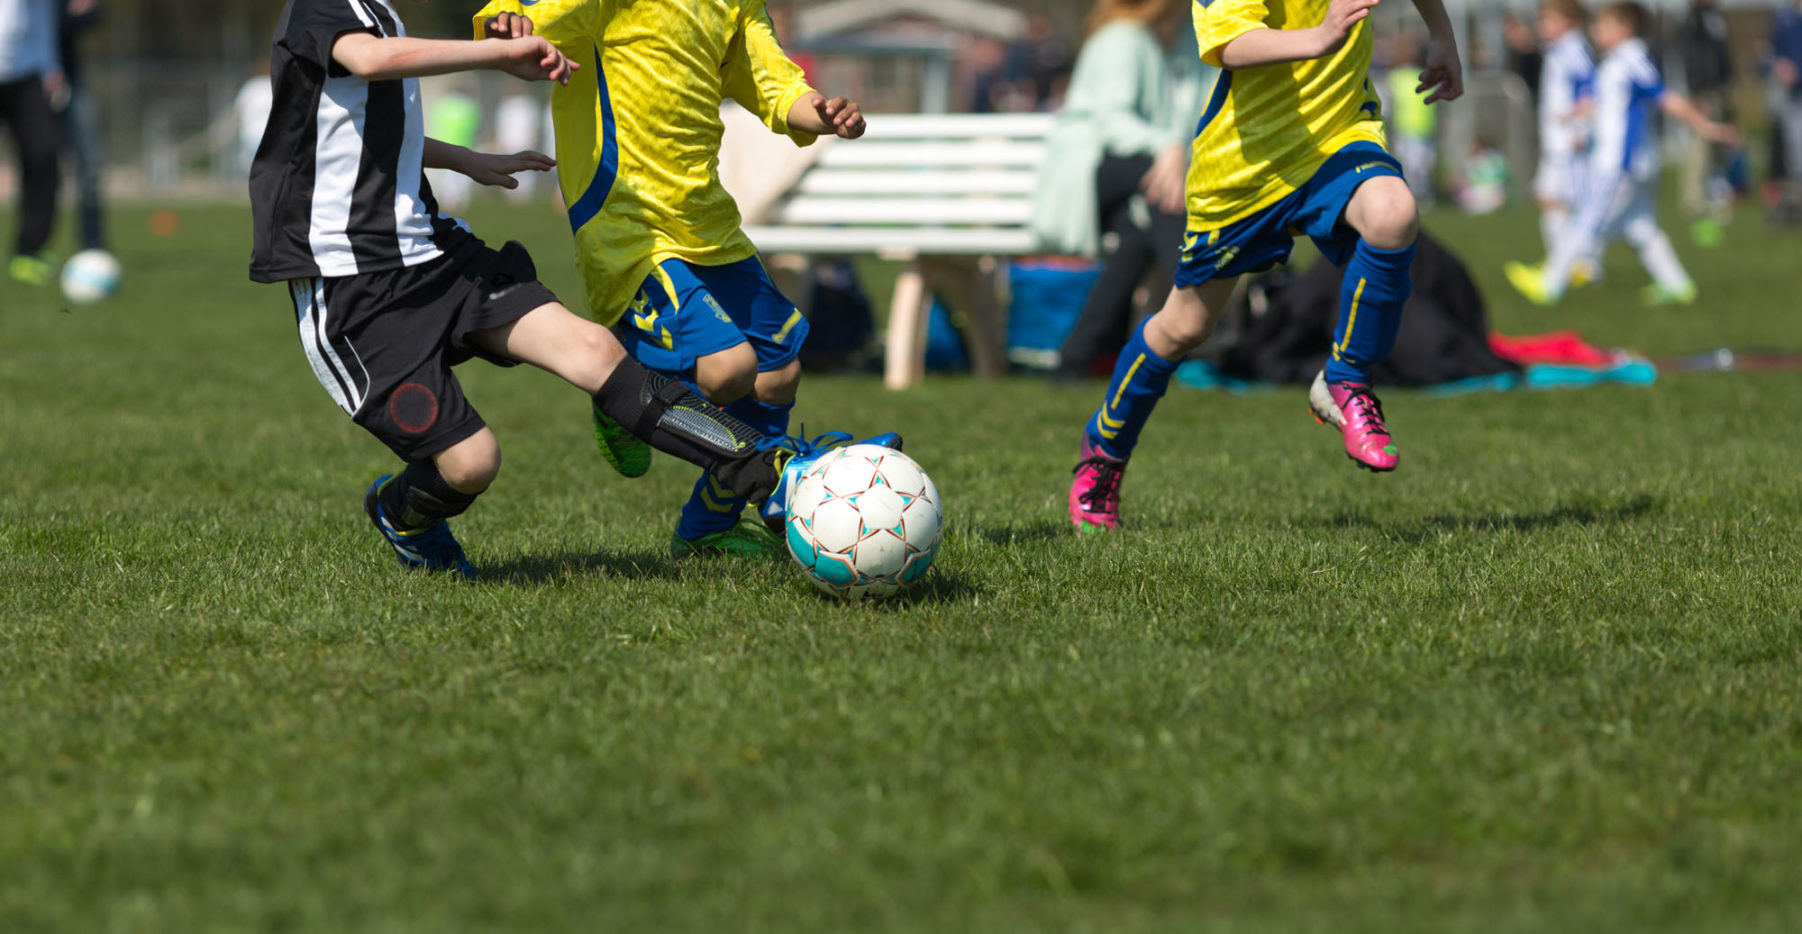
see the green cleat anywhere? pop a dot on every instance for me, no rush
(1659, 295)
(748, 540)
(31, 270)
(628, 454)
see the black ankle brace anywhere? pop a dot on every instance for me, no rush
(420, 497)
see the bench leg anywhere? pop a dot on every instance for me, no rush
(973, 287)
(905, 360)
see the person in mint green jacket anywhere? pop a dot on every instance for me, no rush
(1118, 159)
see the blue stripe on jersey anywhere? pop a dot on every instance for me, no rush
(1216, 100)
(1640, 106)
(589, 205)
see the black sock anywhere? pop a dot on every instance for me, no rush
(674, 420)
(420, 497)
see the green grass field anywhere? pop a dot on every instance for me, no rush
(1548, 676)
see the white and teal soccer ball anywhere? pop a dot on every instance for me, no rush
(90, 276)
(864, 522)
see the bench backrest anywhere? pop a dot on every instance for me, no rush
(917, 184)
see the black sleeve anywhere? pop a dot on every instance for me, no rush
(312, 26)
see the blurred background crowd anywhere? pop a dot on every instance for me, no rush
(162, 99)
(175, 86)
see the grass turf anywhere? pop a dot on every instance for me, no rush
(1544, 677)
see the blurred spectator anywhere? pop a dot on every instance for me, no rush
(30, 79)
(1021, 77)
(518, 127)
(1786, 89)
(1412, 122)
(1484, 187)
(255, 99)
(1034, 65)
(1118, 160)
(1524, 58)
(1708, 71)
(81, 122)
(452, 117)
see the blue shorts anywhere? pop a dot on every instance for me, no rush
(684, 312)
(1265, 239)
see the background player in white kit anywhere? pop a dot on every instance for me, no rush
(1566, 82)
(1620, 191)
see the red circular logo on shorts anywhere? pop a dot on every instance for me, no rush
(413, 408)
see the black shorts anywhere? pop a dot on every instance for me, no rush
(383, 343)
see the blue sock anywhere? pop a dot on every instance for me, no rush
(1140, 379)
(1370, 311)
(712, 508)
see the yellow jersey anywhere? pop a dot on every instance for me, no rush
(638, 128)
(1266, 130)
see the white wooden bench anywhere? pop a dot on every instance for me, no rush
(947, 194)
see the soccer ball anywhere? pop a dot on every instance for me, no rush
(90, 276)
(864, 522)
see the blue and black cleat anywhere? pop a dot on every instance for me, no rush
(802, 454)
(432, 548)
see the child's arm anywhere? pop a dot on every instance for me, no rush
(1685, 110)
(373, 58)
(1442, 73)
(760, 76)
(488, 168)
(1266, 46)
(813, 113)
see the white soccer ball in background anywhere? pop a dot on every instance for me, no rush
(864, 522)
(90, 276)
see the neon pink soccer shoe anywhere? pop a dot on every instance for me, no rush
(1355, 411)
(1095, 491)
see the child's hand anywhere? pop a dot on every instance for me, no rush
(508, 26)
(497, 171)
(534, 59)
(1166, 183)
(1342, 16)
(840, 115)
(1722, 133)
(1442, 73)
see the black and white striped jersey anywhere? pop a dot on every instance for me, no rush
(338, 185)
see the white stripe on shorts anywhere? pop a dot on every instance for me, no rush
(328, 366)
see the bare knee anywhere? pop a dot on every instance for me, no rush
(727, 376)
(471, 465)
(599, 353)
(778, 386)
(1385, 215)
(1187, 319)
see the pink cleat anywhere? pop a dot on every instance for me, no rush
(1355, 411)
(1095, 493)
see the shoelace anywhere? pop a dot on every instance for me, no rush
(800, 445)
(1107, 480)
(1370, 407)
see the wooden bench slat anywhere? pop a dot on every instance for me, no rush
(935, 154)
(863, 212)
(923, 182)
(958, 126)
(967, 241)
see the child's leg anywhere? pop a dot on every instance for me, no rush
(726, 376)
(1140, 379)
(664, 412)
(1595, 221)
(1554, 216)
(1377, 281)
(1149, 359)
(1639, 227)
(442, 485)
(754, 381)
